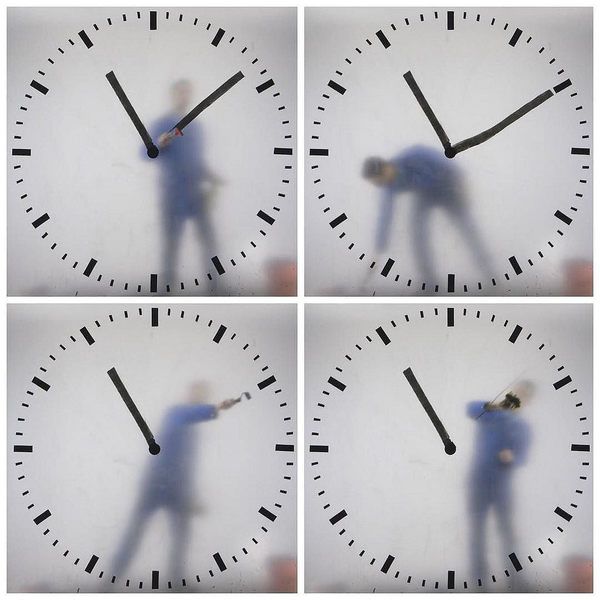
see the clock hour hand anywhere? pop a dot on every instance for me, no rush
(153, 447)
(151, 149)
(449, 446)
(437, 126)
(492, 131)
(222, 89)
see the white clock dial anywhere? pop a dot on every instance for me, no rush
(449, 150)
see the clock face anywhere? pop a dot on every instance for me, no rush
(126, 472)
(433, 169)
(93, 93)
(413, 482)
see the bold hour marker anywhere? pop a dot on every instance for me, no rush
(267, 513)
(40, 220)
(219, 334)
(561, 86)
(515, 37)
(383, 39)
(91, 564)
(387, 267)
(268, 381)
(87, 335)
(218, 37)
(337, 87)
(265, 86)
(450, 580)
(23, 448)
(450, 20)
(284, 447)
(318, 448)
(21, 152)
(336, 384)
(560, 215)
(286, 151)
(339, 219)
(219, 562)
(152, 20)
(85, 39)
(155, 317)
(383, 335)
(562, 382)
(451, 278)
(265, 217)
(584, 151)
(580, 447)
(153, 282)
(90, 267)
(40, 383)
(388, 563)
(563, 513)
(154, 580)
(450, 317)
(36, 85)
(338, 517)
(42, 517)
(515, 334)
(515, 561)
(515, 265)
(218, 265)
(319, 152)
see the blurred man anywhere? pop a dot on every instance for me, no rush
(436, 183)
(168, 481)
(501, 445)
(186, 182)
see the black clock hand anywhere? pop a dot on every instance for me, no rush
(492, 131)
(449, 446)
(222, 89)
(437, 126)
(151, 149)
(153, 447)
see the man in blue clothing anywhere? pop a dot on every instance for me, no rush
(168, 481)
(436, 182)
(502, 443)
(184, 181)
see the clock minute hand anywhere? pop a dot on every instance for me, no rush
(153, 447)
(449, 446)
(222, 89)
(437, 126)
(492, 131)
(151, 149)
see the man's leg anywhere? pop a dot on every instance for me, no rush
(131, 539)
(470, 233)
(421, 240)
(206, 235)
(478, 510)
(180, 527)
(172, 229)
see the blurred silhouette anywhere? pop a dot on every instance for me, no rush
(187, 184)
(281, 277)
(168, 480)
(502, 443)
(436, 182)
(282, 575)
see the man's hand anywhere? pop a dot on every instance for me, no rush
(226, 404)
(166, 138)
(506, 456)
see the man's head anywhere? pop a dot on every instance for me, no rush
(378, 171)
(181, 93)
(199, 392)
(518, 395)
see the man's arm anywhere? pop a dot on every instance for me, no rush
(386, 212)
(476, 408)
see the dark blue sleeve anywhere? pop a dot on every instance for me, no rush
(199, 412)
(386, 212)
(475, 408)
